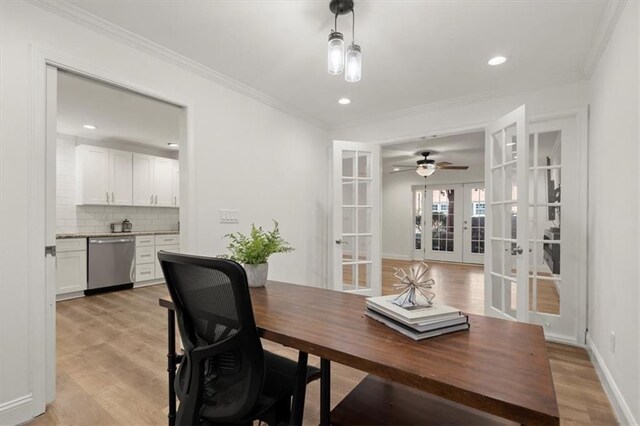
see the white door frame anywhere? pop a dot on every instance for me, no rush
(582, 126)
(41, 285)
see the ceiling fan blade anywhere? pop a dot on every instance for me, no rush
(454, 168)
(443, 163)
(400, 171)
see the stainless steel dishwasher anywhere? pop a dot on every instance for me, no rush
(111, 262)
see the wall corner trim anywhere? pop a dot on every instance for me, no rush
(88, 20)
(13, 411)
(603, 34)
(620, 406)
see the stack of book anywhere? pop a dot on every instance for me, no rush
(417, 322)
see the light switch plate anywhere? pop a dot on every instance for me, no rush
(229, 216)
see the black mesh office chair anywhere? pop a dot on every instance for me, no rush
(225, 376)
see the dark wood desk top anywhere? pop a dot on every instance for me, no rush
(498, 366)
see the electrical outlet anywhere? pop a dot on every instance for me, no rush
(229, 216)
(613, 342)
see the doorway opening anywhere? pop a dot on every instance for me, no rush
(112, 198)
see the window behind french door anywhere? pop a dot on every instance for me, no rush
(448, 223)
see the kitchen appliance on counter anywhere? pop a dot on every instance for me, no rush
(110, 263)
(124, 226)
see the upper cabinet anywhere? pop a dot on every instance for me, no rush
(143, 180)
(119, 178)
(103, 176)
(162, 186)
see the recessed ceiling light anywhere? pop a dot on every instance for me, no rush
(89, 126)
(396, 169)
(344, 101)
(173, 144)
(497, 60)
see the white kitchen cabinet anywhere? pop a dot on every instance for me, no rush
(103, 176)
(92, 175)
(175, 182)
(143, 194)
(169, 243)
(71, 265)
(121, 177)
(162, 185)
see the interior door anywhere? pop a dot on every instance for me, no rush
(473, 224)
(506, 226)
(356, 217)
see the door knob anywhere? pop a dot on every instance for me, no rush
(517, 250)
(341, 242)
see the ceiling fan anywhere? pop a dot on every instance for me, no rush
(426, 166)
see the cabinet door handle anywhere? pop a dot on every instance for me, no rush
(113, 198)
(175, 201)
(107, 197)
(156, 199)
(151, 202)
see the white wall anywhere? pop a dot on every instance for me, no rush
(71, 218)
(242, 154)
(613, 254)
(397, 219)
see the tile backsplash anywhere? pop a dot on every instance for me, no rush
(71, 218)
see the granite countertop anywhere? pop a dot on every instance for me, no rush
(114, 234)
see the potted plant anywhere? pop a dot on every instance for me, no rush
(253, 251)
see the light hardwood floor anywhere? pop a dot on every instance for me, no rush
(111, 363)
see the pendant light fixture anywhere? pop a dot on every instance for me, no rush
(337, 60)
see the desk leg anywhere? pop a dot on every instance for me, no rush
(325, 392)
(171, 364)
(300, 389)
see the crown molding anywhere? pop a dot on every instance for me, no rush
(461, 101)
(88, 20)
(607, 24)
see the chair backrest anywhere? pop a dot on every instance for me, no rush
(225, 359)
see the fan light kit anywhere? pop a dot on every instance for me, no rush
(337, 60)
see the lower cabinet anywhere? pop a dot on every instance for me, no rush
(147, 248)
(71, 265)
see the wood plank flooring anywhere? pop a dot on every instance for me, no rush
(111, 363)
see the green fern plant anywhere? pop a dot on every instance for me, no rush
(255, 248)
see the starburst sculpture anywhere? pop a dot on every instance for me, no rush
(413, 285)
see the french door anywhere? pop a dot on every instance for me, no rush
(449, 223)
(438, 227)
(356, 218)
(473, 224)
(535, 268)
(507, 242)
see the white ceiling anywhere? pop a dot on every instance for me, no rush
(414, 52)
(118, 114)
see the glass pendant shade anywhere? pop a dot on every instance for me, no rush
(426, 169)
(353, 71)
(335, 56)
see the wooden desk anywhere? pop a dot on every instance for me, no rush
(498, 367)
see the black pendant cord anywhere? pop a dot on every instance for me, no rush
(335, 22)
(353, 27)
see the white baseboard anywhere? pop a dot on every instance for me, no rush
(620, 406)
(148, 283)
(17, 410)
(396, 256)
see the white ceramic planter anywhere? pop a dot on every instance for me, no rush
(257, 274)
